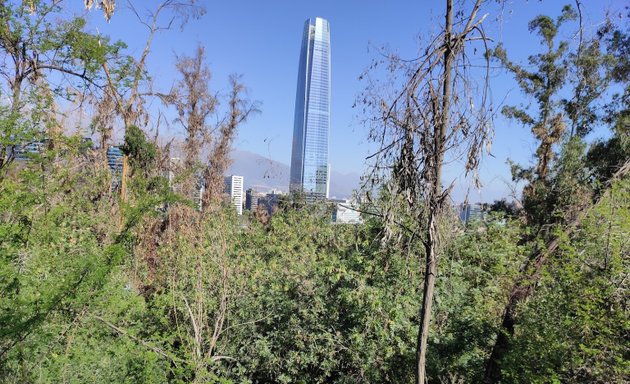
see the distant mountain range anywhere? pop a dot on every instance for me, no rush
(264, 174)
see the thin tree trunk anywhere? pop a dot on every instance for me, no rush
(432, 243)
(17, 95)
(5, 155)
(427, 301)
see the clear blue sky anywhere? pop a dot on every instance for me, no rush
(261, 41)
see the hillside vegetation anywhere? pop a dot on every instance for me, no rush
(132, 276)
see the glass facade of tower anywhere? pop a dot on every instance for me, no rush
(309, 158)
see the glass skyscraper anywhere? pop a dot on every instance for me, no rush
(309, 157)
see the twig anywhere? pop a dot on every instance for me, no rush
(132, 337)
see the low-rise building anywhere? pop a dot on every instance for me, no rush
(346, 212)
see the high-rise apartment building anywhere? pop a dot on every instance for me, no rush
(234, 188)
(309, 158)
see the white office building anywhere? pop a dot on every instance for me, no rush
(234, 188)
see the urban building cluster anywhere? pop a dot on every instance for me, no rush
(343, 211)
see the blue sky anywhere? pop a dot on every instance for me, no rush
(261, 41)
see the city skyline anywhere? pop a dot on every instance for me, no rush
(309, 154)
(266, 58)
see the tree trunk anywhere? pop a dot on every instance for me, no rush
(432, 243)
(17, 94)
(427, 300)
(16, 89)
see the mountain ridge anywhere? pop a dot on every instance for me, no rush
(264, 174)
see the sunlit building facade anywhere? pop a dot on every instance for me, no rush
(346, 212)
(234, 188)
(309, 159)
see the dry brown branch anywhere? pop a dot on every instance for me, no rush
(129, 102)
(108, 6)
(195, 104)
(240, 109)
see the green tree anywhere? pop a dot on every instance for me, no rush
(546, 121)
(45, 57)
(574, 329)
(559, 194)
(58, 244)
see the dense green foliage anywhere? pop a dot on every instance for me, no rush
(575, 329)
